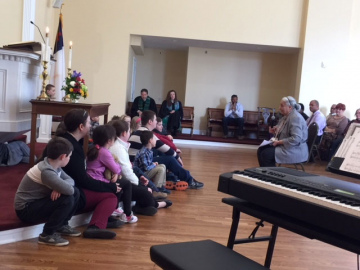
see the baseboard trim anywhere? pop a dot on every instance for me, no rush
(20, 234)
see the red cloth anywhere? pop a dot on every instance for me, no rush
(166, 140)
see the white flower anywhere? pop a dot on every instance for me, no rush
(72, 83)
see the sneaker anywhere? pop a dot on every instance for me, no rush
(181, 185)
(114, 223)
(52, 240)
(168, 203)
(195, 184)
(129, 219)
(146, 211)
(164, 190)
(95, 232)
(159, 195)
(118, 212)
(68, 230)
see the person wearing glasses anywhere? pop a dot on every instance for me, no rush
(332, 111)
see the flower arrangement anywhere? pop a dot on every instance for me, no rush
(75, 86)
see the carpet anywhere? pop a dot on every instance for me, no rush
(10, 179)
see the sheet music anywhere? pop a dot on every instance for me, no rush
(350, 151)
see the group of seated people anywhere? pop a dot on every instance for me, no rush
(127, 171)
(288, 144)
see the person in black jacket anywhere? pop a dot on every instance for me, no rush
(171, 112)
(95, 195)
(143, 103)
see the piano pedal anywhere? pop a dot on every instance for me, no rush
(258, 224)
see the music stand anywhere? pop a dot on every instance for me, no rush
(346, 160)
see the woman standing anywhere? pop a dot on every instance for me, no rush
(171, 112)
(290, 136)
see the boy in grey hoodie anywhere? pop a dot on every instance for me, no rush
(47, 193)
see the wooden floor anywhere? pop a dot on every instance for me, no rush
(195, 215)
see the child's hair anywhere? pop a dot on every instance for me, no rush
(48, 87)
(120, 126)
(158, 119)
(134, 121)
(115, 117)
(74, 118)
(102, 134)
(57, 147)
(145, 137)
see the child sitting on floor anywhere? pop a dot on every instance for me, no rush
(47, 192)
(144, 160)
(99, 159)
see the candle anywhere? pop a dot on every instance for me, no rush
(47, 53)
(70, 53)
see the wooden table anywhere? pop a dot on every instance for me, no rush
(61, 108)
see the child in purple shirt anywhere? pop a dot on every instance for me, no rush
(99, 159)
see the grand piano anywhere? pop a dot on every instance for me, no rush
(314, 206)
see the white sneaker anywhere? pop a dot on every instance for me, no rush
(129, 219)
(118, 212)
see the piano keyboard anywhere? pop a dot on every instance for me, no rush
(311, 195)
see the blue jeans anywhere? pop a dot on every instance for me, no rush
(233, 122)
(173, 165)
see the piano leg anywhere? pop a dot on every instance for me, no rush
(239, 206)
(271, 246)
(234, 227)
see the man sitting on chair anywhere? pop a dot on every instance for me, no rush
(233, 113)
(318, 118)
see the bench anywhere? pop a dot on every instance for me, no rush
(216, 115)
(200, 255)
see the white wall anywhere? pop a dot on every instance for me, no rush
(330, 69)
(160, 71)
(258, 79)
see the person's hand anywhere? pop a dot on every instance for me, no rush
(180, 161)
(55, 195)
(172, 111)
(272, 130)
(178, 150)
(114, 178)
(144, 181)
(118, 188)
(170, 137)
(139, 112)
(156, 163)
(150, 190)
(276, 143)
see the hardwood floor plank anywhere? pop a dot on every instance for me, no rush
(195, 215)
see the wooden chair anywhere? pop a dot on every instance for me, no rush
(188, 119)
(214, 117)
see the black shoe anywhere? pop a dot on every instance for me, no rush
(114, 223)
(95, 232)
(195, 184)
(146, 211)
(168, 203)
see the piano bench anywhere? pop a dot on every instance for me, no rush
(200, 255)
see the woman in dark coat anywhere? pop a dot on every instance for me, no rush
(171, 112)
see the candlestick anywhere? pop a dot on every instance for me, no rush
(70, 54)
(43, 95)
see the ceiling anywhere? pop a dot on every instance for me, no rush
(167, 43)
